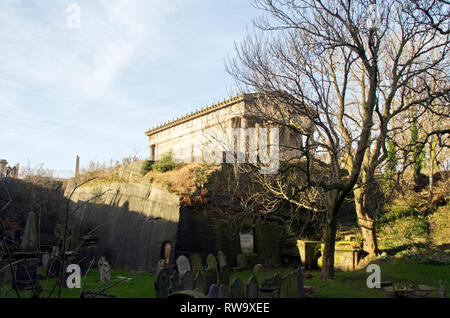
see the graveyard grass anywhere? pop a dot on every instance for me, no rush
(345, 284)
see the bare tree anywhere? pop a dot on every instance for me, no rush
(338, 66)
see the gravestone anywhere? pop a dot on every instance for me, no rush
(105, 270)
(252, 287)
(175, 285)
(26, 274)
(210, 278)
(270, 287)
(289, 286)
(200, 282)
(187, 281)
(301, 289)
(161, 283)
(223, 291)
(196, 263)
(213, 291)
(222, 259)
(211, 261)
(237, 288)
(183, 265)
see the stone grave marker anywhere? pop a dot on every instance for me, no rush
(105, 270)
(183, 265)
(210, 278)
(222, 259)
(187, 281)
(300, 286)
(237, 288)
(211, 261)
(223, 291)
(161, 283)
(213, 291)
(200, 282)
(224, 275)
(270, 287)
(252, 287)
(196, 263)
(289, 286)
(246, 240)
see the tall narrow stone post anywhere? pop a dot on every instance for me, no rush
(77, 168)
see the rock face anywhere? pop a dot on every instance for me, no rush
(133, 220)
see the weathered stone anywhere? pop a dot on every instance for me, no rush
(105, 270)
(187, 281)
(237, 288)
(161, 283)
(300, 285)
(175, 284)
(224, 275)
(200, 282)
(289, 286)
(258, 268)
(210, 277)
(211, 261)
(196, 263)
(441, 289)
(221, 259)
(246, 240)
(223, 291)
(183, 265)
(213, 291)
(252, 287)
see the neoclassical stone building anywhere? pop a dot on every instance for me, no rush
(206, 133)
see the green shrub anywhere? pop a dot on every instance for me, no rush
(146, 167)
(165, 164)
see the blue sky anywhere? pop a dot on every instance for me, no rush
(95, 90)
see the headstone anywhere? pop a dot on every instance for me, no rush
(161, 283)
(213, 291)
(26, 274)
(196, 262)
(300, 286)
(237, 288)
(183, 265)
(252, 287)
(200, 282)
(105, 270)
(161, 264)
(175, 284)
(223, 291)
(289, 286)
(221, 259)
(211, 261)
(210, 277)
(187, 281)
(270, 287)
(224, 275)
(246, 240)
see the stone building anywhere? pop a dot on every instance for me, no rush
(210, 134)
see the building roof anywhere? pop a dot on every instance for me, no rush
(198, 113)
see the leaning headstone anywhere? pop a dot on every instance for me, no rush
(252, 287)
(237, 288)
(196, 263)
(213, 291)
(187, 281)
(26, 274)
(289, 286)
(161, 283)
(221, 259)
(105, 270)
(223, 291)
(183, 265)
(300, 286)
(211, 261)
(210, 277)
(270, 287)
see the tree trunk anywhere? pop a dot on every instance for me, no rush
(330, 239)
(366, 221)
